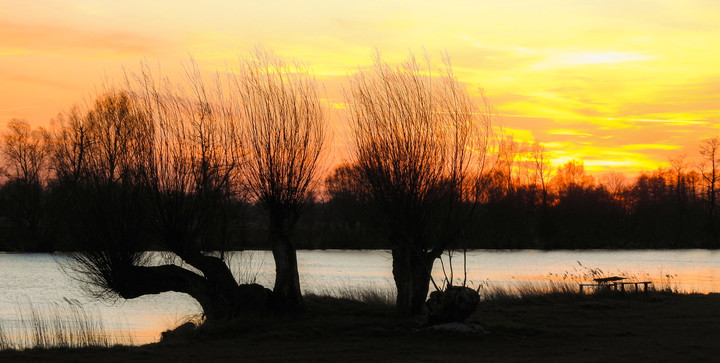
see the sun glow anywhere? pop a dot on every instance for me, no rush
(622, 86)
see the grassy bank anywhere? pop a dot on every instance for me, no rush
(562, 327)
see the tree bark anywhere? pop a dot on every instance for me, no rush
(411, 272)
(287, 296)
(137, 281)
(218, 303)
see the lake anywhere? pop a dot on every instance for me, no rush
(36, 281)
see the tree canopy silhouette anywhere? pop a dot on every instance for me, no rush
(25, 165)
(283, 136)
(157, 165)
(421, 145)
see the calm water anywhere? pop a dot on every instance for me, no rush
(37, 280)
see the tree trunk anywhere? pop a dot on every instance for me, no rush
(137, 281)
(286, 293)
(411, 272)
(217, 302)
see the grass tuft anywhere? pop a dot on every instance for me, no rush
(66, 326)
(368, 294)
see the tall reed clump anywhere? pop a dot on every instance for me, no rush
(527, 290)
(58, 326)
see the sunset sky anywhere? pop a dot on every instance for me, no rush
(621, 85)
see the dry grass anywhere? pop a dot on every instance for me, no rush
(59, 326)
(567, 284)
(369, 294)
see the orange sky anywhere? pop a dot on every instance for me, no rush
(622, 85)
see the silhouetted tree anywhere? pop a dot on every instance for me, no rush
(109, 210)
(25, 151)
(710, 171)
(650, 198)
(571, 175)
(420, 144)
(70, 135)
(156, 172)
(614, 182)
(25, 154)
(346, 207)
(283, 136)
(542, 168)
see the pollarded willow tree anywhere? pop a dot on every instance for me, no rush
(158, 165)
(421, 145)
(154, 166)
(283, 135)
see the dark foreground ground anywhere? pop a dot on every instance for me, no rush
(552, 328)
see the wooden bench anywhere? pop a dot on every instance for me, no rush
(609, 283)
(607, 286)
(612, 283)
(636, 283)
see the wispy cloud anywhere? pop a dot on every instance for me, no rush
(569, 132)
(658, 121)
(574, 59)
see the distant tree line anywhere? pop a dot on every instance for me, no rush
(526, 203)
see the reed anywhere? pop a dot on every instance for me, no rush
(555, 286)
(66, 325)
(567, 285)
(369, 294)
(662, 281)
(527, 291)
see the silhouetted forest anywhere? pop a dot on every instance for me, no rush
(526, 204)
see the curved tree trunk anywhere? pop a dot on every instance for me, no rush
(217, 302)
(411, 272)
(137, 281)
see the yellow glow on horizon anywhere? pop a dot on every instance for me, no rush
(649, 146)
(568, 132)
(12, 52)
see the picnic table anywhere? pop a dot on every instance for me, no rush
(613, 282)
